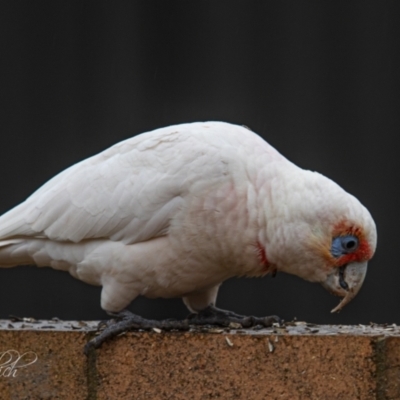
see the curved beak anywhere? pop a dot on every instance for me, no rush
(346, 282)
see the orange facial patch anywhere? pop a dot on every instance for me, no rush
(362, 253)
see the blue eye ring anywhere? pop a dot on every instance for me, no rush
(344, 245)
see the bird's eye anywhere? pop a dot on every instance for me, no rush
(349, 243)
(344, 245)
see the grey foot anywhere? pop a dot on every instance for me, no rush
(215, 316)
(125, 321)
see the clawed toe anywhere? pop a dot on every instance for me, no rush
(125, 321)
(272, 319)
(215, 316)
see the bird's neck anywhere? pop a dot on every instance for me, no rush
(284, 228)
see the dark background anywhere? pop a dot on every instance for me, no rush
(318, 79)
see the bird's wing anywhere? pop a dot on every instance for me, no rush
(131, 191)
(128, 192)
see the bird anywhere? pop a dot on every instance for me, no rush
(176, 211)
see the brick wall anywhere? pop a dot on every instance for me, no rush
(299, 361)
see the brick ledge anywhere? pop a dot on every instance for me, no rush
(300, 361)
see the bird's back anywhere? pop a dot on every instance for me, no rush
(130, 191)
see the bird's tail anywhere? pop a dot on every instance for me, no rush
(13, 253)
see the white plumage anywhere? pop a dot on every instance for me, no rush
(176, 211)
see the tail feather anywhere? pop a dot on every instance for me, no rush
(4, 243)
(14, 223)
(13, 254)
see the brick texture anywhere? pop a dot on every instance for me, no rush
(319, 363)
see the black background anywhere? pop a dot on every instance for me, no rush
(318, 79)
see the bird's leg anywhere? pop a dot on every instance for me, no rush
(215, 316)
(125, 321)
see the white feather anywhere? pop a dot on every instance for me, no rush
(173, 212)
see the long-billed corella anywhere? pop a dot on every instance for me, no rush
(177, 211)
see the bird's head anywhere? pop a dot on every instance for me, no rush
(328, 237)
(352, 246)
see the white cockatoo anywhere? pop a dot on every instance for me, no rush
(177, 211)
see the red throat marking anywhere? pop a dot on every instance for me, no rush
(262, 256)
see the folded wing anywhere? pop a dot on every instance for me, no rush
(127, 193)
